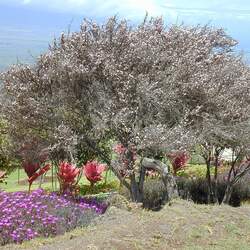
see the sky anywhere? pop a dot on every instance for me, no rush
(28, 26)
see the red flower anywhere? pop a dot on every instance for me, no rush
(34, 170)
(30, 168)
(67, 173)
(93, 171)
(178, 160)
(40, 172)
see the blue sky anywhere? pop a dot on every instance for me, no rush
(27, 26)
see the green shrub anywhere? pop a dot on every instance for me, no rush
(119, 201)
(7, 162)
(99, 188)
(196, 159)
(154, 194)
(197, 171)
(197, 190)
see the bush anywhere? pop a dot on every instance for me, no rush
(119, 201)
(197, 190)
(67, 176)
(178, 160)
(26, 216)
(74, 217)
(154, 195)
(197, 171)
(196, 159)
(194, 189)
(99, 188)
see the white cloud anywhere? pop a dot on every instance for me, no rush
(128, 8)
(26, 1)
(134, 9)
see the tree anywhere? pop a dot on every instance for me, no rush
(228, 126)
(7, 162)
(148, 87)
(240, 163)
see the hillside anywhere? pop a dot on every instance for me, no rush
(179, 225)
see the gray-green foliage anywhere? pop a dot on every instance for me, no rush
(149, 87)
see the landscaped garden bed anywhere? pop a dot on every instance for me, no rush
(25, 216)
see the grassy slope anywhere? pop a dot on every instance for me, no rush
(182, 225)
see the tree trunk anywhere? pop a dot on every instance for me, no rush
(136, 188)
(217, 155)
(234, 181)
(162, 169)
(209, 183)
(18, 175)
(228, 193)
(142, 179)
(216, 199)
(135, 193)
(41, 181)
(229, 187)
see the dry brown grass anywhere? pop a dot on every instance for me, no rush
(179, 225)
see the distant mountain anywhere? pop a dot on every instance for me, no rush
(20, 45)
(25, 33)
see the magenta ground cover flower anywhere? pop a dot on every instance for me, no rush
(25, 216)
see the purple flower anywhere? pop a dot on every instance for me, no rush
(25, 216)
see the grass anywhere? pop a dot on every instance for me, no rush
(200, 170)
(13, 185)
(12, 180)
(195, 170)
(179, 225)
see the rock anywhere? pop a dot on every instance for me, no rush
(167, 178)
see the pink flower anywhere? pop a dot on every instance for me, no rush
(67, 173)
(119, 149)
(93, 171)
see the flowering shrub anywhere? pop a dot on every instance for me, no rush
(24, 217)
(178, 160)
(93, 171)
(123, 161)
(151, 173)
(67, 175)
(119, 149)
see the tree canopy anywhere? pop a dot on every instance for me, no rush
(150, 87)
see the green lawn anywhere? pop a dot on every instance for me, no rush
(13, 185)
(195, 170)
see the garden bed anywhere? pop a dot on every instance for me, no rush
(26, 216)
